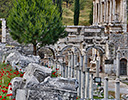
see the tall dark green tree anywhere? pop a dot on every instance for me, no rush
(76, 12)
(91, 16)
(59, 4)
(35, 22)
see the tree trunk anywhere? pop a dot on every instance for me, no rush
(34, 49)
(66, 4)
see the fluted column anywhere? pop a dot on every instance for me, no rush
(110, 15)
(101, 16)
(107, 11)
(94, 13)
(104, 11)
(113, 14)
(98, 13)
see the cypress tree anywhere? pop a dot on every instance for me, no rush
(76, 12)
(91, 16)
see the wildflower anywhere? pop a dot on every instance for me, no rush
(10, 88)
(6, 87)
(0, 96)
(9, 83)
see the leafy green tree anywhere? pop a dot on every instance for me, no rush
(5, 6)
(59, 4)
(76, 12)
(91, 16)
(35, 21)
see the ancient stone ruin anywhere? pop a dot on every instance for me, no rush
(37, 84)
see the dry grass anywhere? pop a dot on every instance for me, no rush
(68, 14)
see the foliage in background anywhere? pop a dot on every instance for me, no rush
(76, 12)
(36, 22)
(91, 16)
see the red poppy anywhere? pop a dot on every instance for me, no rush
(4, 96)
(54, 73)
(3, 87)
(10, 88)
(10, 69)
(9, 94)
(21, 75)
(57, 68)
(6, 87)
(4, 68)
(3, 91)
(9, 83)
(3, 99)
(0, 96)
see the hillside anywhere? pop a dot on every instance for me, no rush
(84, 13)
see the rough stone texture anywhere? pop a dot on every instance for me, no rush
(20, 62)
(37, 71)
(37, 84)
(16, 83)
(21, 94)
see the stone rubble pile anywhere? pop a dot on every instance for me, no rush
(18, 61)
(37, 84)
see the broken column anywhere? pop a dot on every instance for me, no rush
(117, 89)
(87, 84)
(97, 66)
(91, 87)
(106, 88)
(3, 30)
(118, 63)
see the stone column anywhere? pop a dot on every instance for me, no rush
(118, 64)
(113, 13)
(85, 61)
(97, 67)
(106, 88)
(104, 11)
(91, 87)
(80, 68)
(3, 31)
(94, 12)
(96, 21)
(124, 15)
(69, 65)
(98, 13)
(117, 89)
(107, 11)
(75, 64)
(101, 16)
(87, 84)
(72, 64)
(110, 15)
(64, 65)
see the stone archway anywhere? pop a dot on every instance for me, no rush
(99, 59)
(123, 66)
